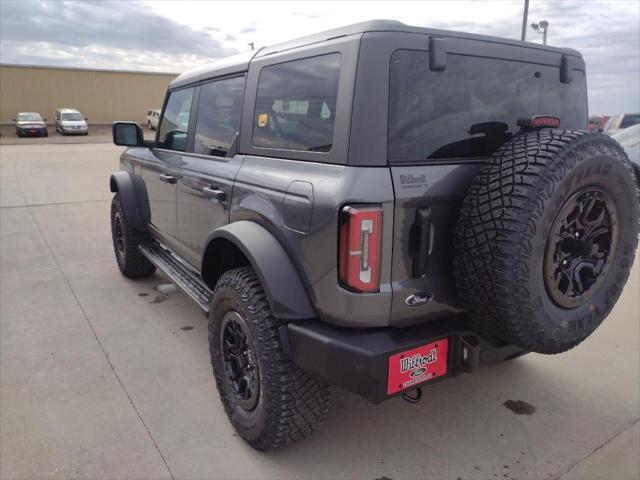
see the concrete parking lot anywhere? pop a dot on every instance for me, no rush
(104, 377)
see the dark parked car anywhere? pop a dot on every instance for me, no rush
(376, 208)
(30, 123)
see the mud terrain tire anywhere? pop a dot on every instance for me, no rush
(546, 238)
(126, 240)
(269, 400)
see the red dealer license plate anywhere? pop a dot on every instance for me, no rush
(419, 365)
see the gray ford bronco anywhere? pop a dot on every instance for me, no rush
(376, 208)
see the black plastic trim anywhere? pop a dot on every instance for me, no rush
(133, 197)
(281, 281)
(358, 360)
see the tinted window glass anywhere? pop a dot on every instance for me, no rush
(175, 122)
(471, 108)
(629, 119)
(296, 104)
(219, 109)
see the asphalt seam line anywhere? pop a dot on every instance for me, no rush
(104, 352)
(597, 449)
(76, 202)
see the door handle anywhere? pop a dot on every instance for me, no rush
(168, 179)
(214, 192)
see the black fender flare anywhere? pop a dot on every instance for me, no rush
(280, 279)
(133, 198)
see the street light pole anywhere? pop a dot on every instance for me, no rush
(525, 14)
(541, 27)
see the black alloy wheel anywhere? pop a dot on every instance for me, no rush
(240, 363)
(118, 236)
(579, 247)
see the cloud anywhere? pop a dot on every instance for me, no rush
(175, 36)
(103, 33)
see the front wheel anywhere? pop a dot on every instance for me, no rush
(269, 400)
(126, 242)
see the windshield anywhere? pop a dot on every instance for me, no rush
(611, 122)
(74, 116)
(29, 117)
(629, 137)
(630, 119)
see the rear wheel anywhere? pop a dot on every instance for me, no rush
(269, 400)
(546, 238)
(126, 242)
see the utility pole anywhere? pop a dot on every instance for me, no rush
(525, 14)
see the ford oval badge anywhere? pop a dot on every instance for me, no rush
(419, 298)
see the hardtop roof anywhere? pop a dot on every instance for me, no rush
(239, 63)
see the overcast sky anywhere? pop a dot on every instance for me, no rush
(175, 36)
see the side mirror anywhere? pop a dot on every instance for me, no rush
(86, 119)
(14, 119)
(44, 119)
(176, 140)
(128, 134)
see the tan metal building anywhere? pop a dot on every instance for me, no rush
(103, 96)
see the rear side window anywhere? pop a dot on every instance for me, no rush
(471, 108)
(218, 121)
(296, 104)
(175, 122)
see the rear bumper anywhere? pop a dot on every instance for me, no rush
(358, 360)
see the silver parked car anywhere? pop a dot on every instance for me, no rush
(71, 121)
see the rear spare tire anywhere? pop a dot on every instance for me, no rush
(546, 238)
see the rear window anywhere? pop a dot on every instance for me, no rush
(296, 104)
(471, 108)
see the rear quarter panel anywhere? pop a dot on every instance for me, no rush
(299, 203)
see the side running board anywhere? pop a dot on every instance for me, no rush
(183, 276)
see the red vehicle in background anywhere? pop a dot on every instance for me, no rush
(596, 123)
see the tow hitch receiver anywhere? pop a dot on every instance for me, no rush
(418, 365)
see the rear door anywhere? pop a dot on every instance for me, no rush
(160, 170)
(208, 171)
(443, 124)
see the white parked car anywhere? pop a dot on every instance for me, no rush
(71, 121)
(152, 119)
(617, 123)
(629, 138)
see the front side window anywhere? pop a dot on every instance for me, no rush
(472, 107)
(219, 109)
(175, 122)
(296, 104)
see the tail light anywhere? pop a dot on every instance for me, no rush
(360, 242)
